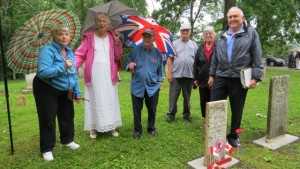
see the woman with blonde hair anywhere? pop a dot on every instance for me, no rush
(101, 51)
(56, 79)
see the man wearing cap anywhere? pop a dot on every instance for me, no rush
(180, 73)
(146, 66)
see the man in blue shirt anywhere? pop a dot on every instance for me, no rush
(146, 66)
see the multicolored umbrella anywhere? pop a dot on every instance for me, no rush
(24, 47)
(113, 8)
(133, 27)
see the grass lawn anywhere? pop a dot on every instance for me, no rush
(176, 144)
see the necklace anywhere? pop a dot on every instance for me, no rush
(64, 54)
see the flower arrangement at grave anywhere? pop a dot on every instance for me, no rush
(215, 154)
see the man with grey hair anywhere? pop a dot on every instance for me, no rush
(238, 47)
(180, 73)
(146, 66)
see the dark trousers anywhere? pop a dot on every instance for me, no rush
(204, 93)
(232, 87)
(178, 84)
(137, 106)
(51, 102)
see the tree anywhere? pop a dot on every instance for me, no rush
(173, 13)
(277, 23)
(227, 5)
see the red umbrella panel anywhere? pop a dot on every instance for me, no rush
(24, 47)
(133, 27)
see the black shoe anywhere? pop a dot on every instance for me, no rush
(170, 119)
(153, 132)
(188, 118)
(233, 142)
(137, 135)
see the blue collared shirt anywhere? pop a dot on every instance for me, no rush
(148, 73)
(230, 41)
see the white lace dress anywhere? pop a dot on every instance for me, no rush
(102, 111)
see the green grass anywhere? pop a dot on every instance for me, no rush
(176, 144)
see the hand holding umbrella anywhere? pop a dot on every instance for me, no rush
(68, 63)
(116, 35)
(131, 66)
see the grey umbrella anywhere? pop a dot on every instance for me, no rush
(114, 9)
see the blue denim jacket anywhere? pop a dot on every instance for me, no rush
(51, 68)
(149, 71)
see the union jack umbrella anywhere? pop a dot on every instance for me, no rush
(133, 27)
(22, 53)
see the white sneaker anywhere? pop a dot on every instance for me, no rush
(48, 156)
(71, 145)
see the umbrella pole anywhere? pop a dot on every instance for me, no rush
(6, 90)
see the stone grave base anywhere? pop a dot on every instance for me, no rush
(277, 143)
(199, 163)
(26, 91)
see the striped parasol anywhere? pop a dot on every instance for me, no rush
(22, 53)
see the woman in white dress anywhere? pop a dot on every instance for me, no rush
(101, 51)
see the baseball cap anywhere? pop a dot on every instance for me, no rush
(148, 31)
(185, 26)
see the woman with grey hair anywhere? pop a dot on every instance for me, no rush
(202, 61)
(101, 51)
(54, 87)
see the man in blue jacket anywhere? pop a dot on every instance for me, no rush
(237, 47)
(145, 64)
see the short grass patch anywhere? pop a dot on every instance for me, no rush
(177, 143)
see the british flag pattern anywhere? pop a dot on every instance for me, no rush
(132, 28)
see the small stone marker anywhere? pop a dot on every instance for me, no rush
(215, 136)
(29, 80)
(21, 101)
(215, 132)
(276, 136)
(278, 107)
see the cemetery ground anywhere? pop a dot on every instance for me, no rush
(176, 144)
